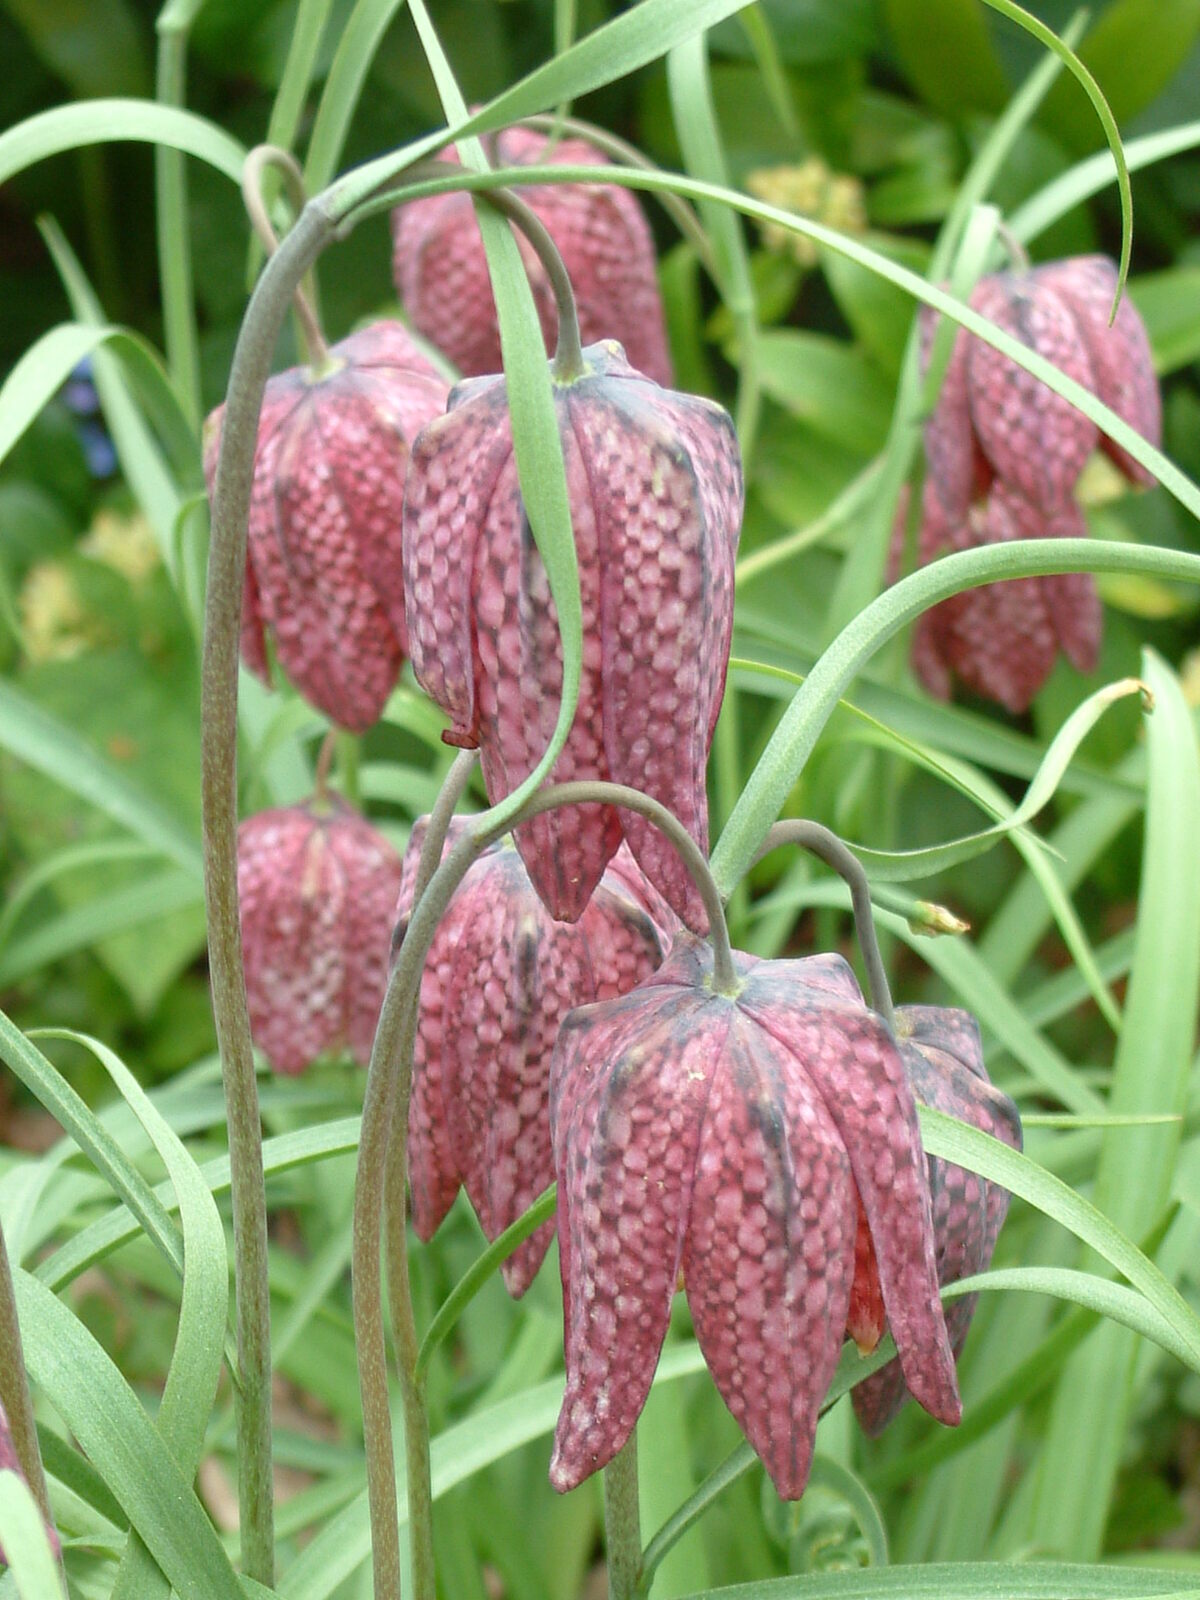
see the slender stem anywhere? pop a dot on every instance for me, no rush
(683, 215)
(568, 361)
(438, 824)
(418, 1477)
(848, 502)
(480, 1272)
(622, 1522)
(1017, 252)
(269, 155)
(172, 224)
(349, 749)
(14, 1390)
(218, 746)
(812, 836)
(740, 1459)
(325, 756)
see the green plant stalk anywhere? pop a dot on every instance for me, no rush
(418, 1474)
(14, 1390)
(813, 703)
(171, 215)
(812, 836)
(218, 753)
(622, 1522)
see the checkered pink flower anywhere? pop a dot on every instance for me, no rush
(323, 570)
(316, 888)
(655, 489)
(733, 1138)
(498, 980)
(1003, 455)
(943, 1058)
(441, 271)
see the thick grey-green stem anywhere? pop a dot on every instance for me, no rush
(383, 1155)
(452, 791)
(830, 849)
(14, 1390)
(622, 1522)
(218, 747)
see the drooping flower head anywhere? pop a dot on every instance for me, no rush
(498, 980)
(655, 487)
(943, 1057)
(316, 887)
(1003, 455)
(734, 1137)
(442, 277)
(323, 570)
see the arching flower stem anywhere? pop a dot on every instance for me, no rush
(567, 364)
(829, 848)
(261, 157)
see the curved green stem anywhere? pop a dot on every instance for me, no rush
(568, 361)
(739, 1460)
(622, 1522)
(440, 817)
(171, 216)
(629, 155)
(261, 157)
(479, 1272)
(218, 751)
(830, 849)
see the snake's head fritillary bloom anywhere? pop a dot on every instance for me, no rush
(323, 567)
(943, 1058)
(1003, 454)
(317, 886)
(499, 978)
(734, 1137)
(655, 487)
(605, 242)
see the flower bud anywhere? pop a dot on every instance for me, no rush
(442, 277)
(316, 889)
(323, 568)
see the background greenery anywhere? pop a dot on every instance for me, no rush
(1082, 959)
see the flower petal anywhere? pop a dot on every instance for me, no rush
(767, 1257)
(629, 1084)
(1035, 440)
(853, 1061)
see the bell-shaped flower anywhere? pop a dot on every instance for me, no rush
(323, 564)
(655, 487)
(441, 271)
(734, 1137)
(498, 980)
(943, 1058)
(316, 886)
(1003, 455)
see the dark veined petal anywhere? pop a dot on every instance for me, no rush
(943, 1057)
(768, 1255)
(848, 1054)
(630, 1082)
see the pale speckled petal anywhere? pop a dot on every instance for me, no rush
(851, 1058)
(1036, 441)
(767, 1257)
